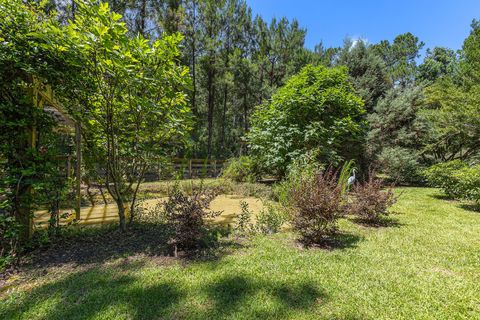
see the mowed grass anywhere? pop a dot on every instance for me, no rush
(424, 266)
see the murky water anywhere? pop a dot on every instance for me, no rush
(100, 214)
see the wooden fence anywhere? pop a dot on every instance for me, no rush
(186, 169)
(178, 168)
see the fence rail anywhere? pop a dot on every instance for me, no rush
(182, 168)
(187, 169)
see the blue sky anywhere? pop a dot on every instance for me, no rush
(435, 22)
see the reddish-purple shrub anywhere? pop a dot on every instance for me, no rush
(371, 200)
(317, 204)
(185, 216)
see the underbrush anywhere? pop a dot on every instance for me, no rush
(268, 221)
(242, 169)
(185, 217)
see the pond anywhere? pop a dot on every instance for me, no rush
(101, 214)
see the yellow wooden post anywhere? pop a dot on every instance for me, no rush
(26, 214)
(78, 168)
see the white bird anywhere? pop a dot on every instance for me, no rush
(351, 179)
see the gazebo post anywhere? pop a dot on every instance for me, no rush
(78, 168)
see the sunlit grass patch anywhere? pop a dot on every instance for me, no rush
(425, 266)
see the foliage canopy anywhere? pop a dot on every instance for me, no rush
(316, 109)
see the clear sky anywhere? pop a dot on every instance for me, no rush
(436, 22)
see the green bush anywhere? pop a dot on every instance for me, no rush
(441, 176)
(316, 109)
(242, 169)
(9, 233)
(456, 178)
(270, 219)
(302, 168)
(468, 183)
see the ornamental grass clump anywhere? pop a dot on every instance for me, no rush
(317, 206)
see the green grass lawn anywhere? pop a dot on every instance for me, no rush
(425, 266)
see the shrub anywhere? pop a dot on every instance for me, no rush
(317, 204)
(10, 232)
(370, 202)
(243, 225)
(442, 176)
(185, 218)
(153, 215)
(242, 169)
(270, 219)
(467, 183)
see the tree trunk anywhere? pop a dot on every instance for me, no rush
(245, 111)
(121, 215)
(143, 17)
(211, 96)
(194, 91)
(103, 195)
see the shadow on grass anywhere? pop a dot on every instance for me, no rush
(232, 293)
(470, 207)
(101, 244)
(337, 241)
(384, 222)
(113, 291)
(466, 206)
(84, 295)
(442, 196)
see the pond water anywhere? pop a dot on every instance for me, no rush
(101, 214)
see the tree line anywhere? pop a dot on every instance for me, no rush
(238, 60)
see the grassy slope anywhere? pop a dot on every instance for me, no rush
(426, 267)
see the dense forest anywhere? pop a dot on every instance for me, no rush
(237, 61)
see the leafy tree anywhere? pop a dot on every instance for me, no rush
(453, 106)
(471, 55)
(454, 114)
(316, 109)
(131, 97)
